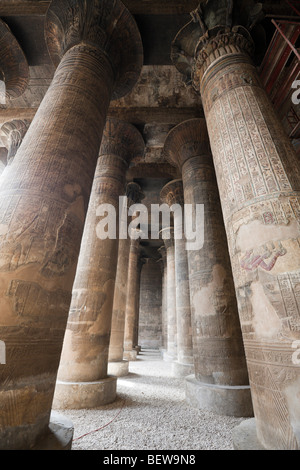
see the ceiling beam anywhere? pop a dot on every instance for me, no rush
(135, 115)
(136, 7)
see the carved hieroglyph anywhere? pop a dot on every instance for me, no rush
(259, 180)
(43, 203)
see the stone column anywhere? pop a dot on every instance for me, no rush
(83, 381)
(117, 365)
(14, 133)
(164, 310)
(221, 382)
(172, 193)
(14, 70)
(133, 291)
(137, 347)
(171, 353)
(259, 179)
(43, 203)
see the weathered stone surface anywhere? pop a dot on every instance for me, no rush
(164, 307)
(150, 318)
(97, 25)
(171, 353)
(171, 194)
(132, 299)
(259, 181)
(218, 350)
(14, 133)
(43, 203)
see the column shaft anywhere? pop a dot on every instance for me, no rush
(164, 311)
(171, 354)
(131, 301)
(259, 181)
(117, 365)
(43, 202)
(172, 193)
(83, 380)
(221, 379)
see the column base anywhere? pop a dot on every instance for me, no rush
(162, 352)
(118, 368)
(130, 355)
(84, 395)
(220, 399)
(182, 370)
(138, 349)
(245, 437)
(59, 435)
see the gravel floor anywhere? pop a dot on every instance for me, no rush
(150, 413)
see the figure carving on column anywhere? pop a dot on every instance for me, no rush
(97, 49)
(258, 177)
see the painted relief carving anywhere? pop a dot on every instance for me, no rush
(265, 260)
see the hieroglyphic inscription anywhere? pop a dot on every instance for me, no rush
(266, 260)
(31, 300)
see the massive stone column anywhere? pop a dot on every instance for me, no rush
(138, 299)
(164, 310)
(168, 238)
(171, 194)
(44, 199)
(221, 381)
(132, 298)
(83, 381)
(259, 180)
(117, 365)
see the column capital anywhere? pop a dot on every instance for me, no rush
(167, 235)
(103, 25)
(172, 193)
(14, 69)
(14, 133)
(217, 28)
(121, 139)
(187, 140)
(134, 193)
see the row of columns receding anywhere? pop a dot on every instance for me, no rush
(232, 307)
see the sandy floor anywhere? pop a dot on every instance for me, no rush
(150, 413)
